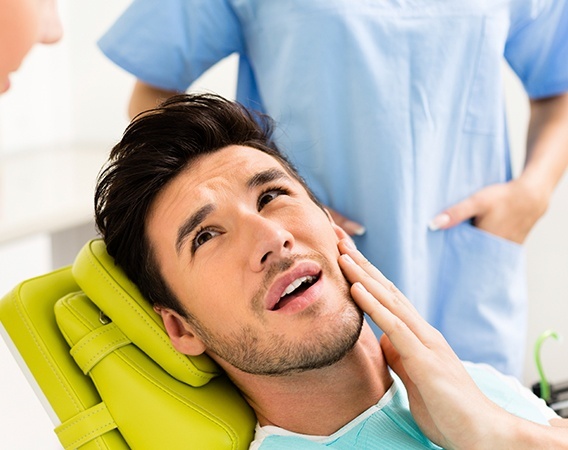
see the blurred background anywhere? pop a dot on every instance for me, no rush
(67, 107)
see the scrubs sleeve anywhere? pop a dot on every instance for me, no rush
(537, 47)
(170, 43)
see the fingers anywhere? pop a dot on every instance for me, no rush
(399, 331)
(384, 303)
(498, 209)
(358, 269)
(460, 212)
(392, 356)
(346, 246)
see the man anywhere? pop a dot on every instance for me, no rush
(409, 124)
(242, 262)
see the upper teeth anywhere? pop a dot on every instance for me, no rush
(294, 284)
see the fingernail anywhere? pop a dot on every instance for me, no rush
(440, 221)
(359, 286)
(354, 228)
(348, 259)
(349, 243)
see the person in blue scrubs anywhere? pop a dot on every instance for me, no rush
(393, 111)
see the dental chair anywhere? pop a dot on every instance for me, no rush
(102, 364)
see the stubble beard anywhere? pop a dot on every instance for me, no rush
(272, 354)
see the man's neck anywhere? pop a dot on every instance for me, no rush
(319, 402)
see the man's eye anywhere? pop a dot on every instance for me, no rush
(268, 196)
(202, 237)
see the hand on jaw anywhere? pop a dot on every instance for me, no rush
(444, 400)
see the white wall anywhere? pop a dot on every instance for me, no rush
(70, 93)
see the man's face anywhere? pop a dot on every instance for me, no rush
(253, 260)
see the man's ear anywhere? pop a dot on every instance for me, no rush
(180, 332)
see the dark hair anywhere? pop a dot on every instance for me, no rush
(156, 146)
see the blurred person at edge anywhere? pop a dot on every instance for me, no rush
(23, 23)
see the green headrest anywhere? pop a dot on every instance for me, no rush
(118, 298)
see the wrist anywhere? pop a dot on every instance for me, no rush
(498, 430)
(535, 191)
(522, 434)
(509, 434)
(541, 177)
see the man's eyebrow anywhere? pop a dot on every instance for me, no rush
(191, 223)
(266, 176)
(258, 179)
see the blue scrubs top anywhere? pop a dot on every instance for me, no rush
(392, 110)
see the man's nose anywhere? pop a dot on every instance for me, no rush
(270, 241)
(51, 29)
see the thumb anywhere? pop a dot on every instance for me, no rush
(452, 216)
(392, 357)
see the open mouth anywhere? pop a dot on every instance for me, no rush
(295, 289)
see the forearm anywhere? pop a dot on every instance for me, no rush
(145, 96)
(547, 145)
